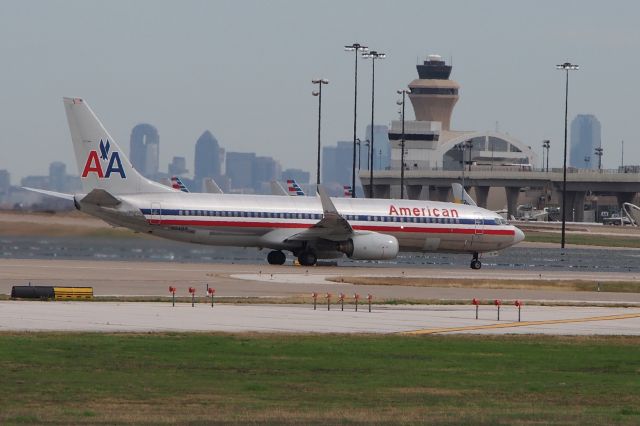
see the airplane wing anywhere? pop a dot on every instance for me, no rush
(332, 226)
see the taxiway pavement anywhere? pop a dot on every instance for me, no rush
(16, 316)
(253, 280)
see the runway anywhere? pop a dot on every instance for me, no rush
(423, 319)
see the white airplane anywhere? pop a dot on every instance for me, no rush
(311, 228)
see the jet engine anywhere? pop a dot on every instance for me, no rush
(372, 246)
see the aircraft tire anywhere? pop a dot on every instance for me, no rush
(307, 258)
(276, 257)
(476, 264)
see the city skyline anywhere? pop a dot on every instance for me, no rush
(193, 65)
(585, 138)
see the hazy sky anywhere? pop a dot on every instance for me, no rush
(243, 70)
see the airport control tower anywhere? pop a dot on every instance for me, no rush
(433, 95)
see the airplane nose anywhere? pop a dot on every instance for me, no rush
(518, 236)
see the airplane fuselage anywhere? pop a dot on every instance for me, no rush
(266, 221)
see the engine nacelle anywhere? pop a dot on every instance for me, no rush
(372, 246)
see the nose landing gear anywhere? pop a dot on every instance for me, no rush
(475, 263)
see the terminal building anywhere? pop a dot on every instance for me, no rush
(498, 169)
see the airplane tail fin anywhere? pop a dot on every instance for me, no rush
(277, 189)
(176, 183)
(460, 196)
(211, 187)
(294, 188)
(101, 162)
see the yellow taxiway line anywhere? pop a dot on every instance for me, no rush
(522, 324)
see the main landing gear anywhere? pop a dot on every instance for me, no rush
(276, 257)
(307, 258)
(475, 263)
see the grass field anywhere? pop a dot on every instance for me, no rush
(204, 378)
(631, 241)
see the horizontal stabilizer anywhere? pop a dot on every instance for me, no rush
(50, 193)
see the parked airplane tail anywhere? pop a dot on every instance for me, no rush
(211, 187)
(176, 183)
(294, 188)
(348, 191)
(460, 196)
(101, 162)
(277, 189)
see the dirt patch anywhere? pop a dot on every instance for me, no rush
(558, 285)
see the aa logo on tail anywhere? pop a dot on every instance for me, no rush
(94, 163)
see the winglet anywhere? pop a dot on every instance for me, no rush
(327, 204)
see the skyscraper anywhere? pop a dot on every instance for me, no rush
(300, 176)
(337, 163)
(585, 138)
(207, 159)
(265, 169)
(145, 149)
(57, 176)
(178, 166)
(240, 169)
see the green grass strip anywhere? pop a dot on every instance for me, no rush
(317, 379)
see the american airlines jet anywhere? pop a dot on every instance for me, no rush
(311, 228)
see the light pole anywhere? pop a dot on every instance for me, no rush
(373, 55)
(358, 144)
(368, 145)
(402, 92)
(546, 144)
(355, 47)
(319, 82)
(599, 152)
(566, 67)
(461, 147)
(469, 144)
